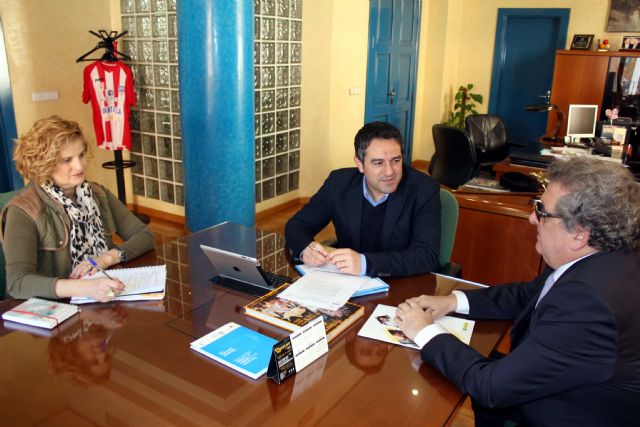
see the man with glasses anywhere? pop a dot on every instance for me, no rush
(575, 341)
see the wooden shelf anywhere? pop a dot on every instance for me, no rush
(578, 52)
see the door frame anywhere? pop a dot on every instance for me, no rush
(407, 143)
(500, 48)
(8, 130)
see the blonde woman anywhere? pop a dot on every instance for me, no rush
(60, 220)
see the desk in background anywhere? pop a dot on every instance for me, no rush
(130, 363)
(506, 166)
(495, 243)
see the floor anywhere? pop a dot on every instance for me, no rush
(166, 230)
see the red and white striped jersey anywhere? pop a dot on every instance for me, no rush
(109, 86)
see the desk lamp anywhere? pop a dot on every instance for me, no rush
(547, 106)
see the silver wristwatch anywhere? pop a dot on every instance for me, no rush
(121, 254)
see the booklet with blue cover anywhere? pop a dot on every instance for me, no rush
(237, 347)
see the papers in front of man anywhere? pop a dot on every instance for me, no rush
(142, 283)
(382, 326)
(322, 289)
(237, 347)
(41, 313)
(372, 285)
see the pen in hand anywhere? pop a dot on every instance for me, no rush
(100, 269)
(111, 292)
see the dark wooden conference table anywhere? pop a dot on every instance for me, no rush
(129, 364)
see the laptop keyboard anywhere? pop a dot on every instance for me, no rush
(276, 280)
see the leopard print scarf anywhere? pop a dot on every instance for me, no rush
(87, 235)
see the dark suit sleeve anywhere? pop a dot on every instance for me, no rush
(572, 342)
(422, 253)
(302, 228)
(506, 301)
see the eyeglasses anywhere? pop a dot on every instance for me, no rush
(538, 208)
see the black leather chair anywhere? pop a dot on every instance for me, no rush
(454, 161)
(489, 136)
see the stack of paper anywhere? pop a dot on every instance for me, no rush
(368, 286)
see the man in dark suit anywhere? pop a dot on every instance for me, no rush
(575, 343)
(386, 215)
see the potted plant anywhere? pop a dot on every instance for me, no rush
(464, 106)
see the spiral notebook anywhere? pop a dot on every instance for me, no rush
(141, 283)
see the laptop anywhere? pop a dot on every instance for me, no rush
(242, 272)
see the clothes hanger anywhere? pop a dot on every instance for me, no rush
(106, 42)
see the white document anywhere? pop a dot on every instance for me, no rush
(140, 280)
(382, 326)
(369, 286)
(323, 290)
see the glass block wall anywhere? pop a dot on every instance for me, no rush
(277, 80)
(152, 44)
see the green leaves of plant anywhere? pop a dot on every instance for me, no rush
(476, 97)
(464, 105)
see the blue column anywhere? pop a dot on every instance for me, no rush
(216, 107)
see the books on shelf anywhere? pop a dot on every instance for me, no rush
(381, 326)
(371, 285)
(237, 347)
(485, 184)
(41, 313)
(290, 315)
(141, 284)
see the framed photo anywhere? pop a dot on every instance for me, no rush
(630, 43)
(623, 16)
(582, 41)
(614, 135)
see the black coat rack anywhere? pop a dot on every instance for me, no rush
(107, 42)
(111, 54)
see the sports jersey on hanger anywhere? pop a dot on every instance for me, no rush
(109, 86)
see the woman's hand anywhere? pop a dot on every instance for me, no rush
(103, 289)
(85, 268)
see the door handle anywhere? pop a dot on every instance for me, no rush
(392, 95)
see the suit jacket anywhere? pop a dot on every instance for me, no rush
(411, 230)
(575, 359)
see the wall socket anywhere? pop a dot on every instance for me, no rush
(51, 95)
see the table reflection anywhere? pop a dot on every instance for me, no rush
(81, 353)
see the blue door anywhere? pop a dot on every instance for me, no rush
(394, 28)
(523, 61)
(9, 177)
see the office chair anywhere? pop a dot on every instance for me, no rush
(4, 199)
(454, 162)
(448, 226)
(489, 137)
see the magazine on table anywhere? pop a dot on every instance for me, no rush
(290, 315)
(382, 326)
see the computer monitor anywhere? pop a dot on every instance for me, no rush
(581, 122)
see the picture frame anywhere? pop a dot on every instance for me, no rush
(621, 16)
(630, 43)
(614, 135)
(582, 41)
